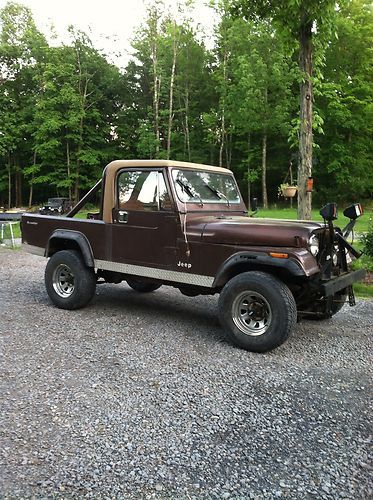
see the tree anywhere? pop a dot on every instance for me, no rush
(21, 49)
(260, 100)
(298, 20)
(345, 104)
(75, 115)
(154, 17)
(194, 96)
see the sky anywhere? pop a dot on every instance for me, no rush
(110, 23)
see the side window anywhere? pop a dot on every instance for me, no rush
(142, 190)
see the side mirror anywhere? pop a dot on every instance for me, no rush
(329, 212)
(353, 211)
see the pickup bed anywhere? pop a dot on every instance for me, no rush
(186, 225)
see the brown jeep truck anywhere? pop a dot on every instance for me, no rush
(186, 225)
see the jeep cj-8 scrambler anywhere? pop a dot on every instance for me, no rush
(186, 225)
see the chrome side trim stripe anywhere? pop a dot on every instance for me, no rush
(33, 249)
(160, 274)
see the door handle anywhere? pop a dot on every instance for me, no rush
(122, 217)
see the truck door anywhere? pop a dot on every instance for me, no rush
(144, 220)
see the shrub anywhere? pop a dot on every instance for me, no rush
(368, 240)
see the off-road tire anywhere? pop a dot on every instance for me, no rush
(142, 286)
(69, 282)
(272, 307)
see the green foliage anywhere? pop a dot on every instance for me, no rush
(345, 102)
(146, 145)
(368, 240)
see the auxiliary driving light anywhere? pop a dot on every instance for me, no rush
(353, 211)
(329, 212)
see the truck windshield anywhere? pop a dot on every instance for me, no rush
(198, 186)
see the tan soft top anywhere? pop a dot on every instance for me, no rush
(116, 165)
(112, 168)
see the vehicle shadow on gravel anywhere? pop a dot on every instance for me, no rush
(168, 309)
(166, 305)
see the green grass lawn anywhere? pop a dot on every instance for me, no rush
(363, 290)
(83, 213)
(291, 213)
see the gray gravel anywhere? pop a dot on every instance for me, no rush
(139, 396)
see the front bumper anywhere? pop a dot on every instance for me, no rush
(334, 285)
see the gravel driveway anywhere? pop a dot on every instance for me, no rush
(139, 396)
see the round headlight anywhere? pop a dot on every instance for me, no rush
(313, 244)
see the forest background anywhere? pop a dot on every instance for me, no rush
(66, 110)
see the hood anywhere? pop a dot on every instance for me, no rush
(241, 230)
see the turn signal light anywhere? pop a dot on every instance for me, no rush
(279, 255)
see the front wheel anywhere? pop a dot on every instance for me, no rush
(69, 283)
(257, 311)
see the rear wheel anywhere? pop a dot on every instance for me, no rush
(257, 311)
(69, 283)
(142, 286)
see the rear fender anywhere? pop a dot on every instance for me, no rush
(64, 239)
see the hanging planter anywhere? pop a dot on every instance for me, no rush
(287, 190)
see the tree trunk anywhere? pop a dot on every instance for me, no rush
(19, 197)
(222, 135)
(31, 192)
(187, 136)
(153, 21)
(172, 80)
(222, 125)
(83, 97)
(77, 184)
(77, 171)
(32, 184)
(16, 186)
(306, 116)
(156, 118)
(68, 167)
(229, 150)
(9, 182)
(291, 182)
(264, 171)
(248, 175)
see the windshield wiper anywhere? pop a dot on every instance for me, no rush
(190, 190)
(219, 194)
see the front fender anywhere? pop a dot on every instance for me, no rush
(291, 266)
